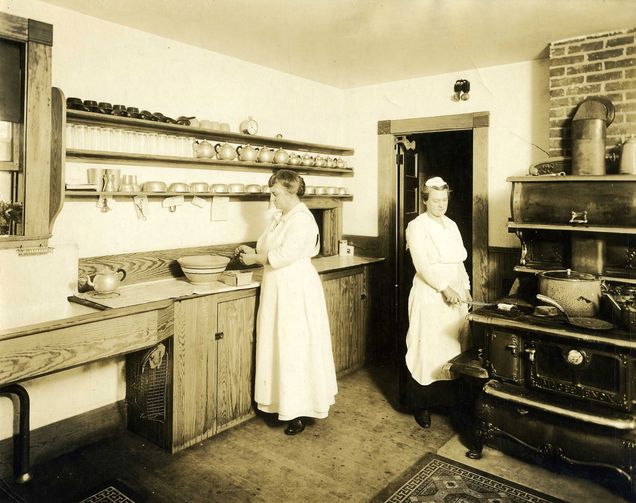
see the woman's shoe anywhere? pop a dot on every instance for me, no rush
(294, 427)
(423, 418)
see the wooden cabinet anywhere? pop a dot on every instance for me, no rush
(347, 305)
(210, 371)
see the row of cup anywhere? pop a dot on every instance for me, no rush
(207, 124)
(81, 137)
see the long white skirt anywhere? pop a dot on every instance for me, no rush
(437, 332)
(295, 372)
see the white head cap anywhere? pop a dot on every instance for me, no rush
(436, 181)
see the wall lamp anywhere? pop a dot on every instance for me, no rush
(461, 88)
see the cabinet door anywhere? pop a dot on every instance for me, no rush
(345, 294)
(194, 372)
(235, 349)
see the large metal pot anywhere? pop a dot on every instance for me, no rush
(579, 293)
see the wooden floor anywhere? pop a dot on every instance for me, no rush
(350, 456)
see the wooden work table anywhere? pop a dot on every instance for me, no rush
(189, 351)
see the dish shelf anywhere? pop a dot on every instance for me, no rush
(84, 194)
(113, 121)
(574, 228)
(100, 157)
(572, 178)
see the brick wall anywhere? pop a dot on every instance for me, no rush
(594, 65)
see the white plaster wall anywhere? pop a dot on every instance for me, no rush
(516, 96)
(93, 59)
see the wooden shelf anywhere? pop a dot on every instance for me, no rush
(95, 156)
(84, 194)
(93, 119)
(606, 229)
(606, 277)
(572, 178)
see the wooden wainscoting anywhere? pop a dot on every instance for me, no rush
(501, 273)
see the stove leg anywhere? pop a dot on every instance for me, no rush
(21, 443)
(477, 441)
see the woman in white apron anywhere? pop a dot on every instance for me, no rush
(295, 372)
(437, 302)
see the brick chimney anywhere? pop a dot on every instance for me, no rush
(594, 65)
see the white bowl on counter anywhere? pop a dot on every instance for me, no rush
(203, 269)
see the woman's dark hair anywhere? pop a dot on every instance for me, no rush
(426, 190)
(292, 181)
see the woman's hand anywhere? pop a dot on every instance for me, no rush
(253, 258)
(451, 296)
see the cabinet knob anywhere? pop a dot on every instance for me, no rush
(219, 335)
(363, 296)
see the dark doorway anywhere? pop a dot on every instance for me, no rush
(448, 154)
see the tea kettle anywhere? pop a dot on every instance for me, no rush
(106, 280)
(203, 149)
(225, 151)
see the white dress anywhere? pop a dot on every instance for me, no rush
(295, 372)
(437, 330)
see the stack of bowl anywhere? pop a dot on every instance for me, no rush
(203, 269)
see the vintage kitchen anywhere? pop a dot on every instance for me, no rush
(129, 158)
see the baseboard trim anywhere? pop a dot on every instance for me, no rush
(64, 436)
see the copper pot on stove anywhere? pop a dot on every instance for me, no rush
(578, 293)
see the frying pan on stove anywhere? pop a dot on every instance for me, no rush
(578, 321)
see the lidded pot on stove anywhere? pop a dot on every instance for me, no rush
(589, 129)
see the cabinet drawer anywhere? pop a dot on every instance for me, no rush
(606, 203)
(53, 350)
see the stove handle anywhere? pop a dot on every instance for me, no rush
(531, 352)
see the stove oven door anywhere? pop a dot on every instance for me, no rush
(506, 359)
(594, 374)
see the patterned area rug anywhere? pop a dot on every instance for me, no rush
(115, 492)
(437, 479)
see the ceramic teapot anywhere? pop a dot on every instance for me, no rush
(294, 160)
(307, 160)
(106, 280)
(225, 151)
(247, 153)
(320, 162)
(340, 163)
(265, 155)
(281, 156)
(331, 163)
(203, 149)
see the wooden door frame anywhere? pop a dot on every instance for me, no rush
(476, 122)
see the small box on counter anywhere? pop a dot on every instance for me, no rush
(236, 278)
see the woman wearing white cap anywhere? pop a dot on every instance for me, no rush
(437, 302)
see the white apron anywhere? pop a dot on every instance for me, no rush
(295, 372)
(437, 330)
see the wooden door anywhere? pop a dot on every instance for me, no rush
(345, 295)
(194, 371)
(235, 350)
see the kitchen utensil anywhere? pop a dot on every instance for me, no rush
(248, 126)
(320, 162)
(281, 156)
(184, 121)
(129, 179)
(577, 321)
(203, 149)
(95, 176)
(502, 306)
(154, 187)
(115, 175)
(247, 153)
(203, 261)
(237, 188)
(219, 188)
(106, 280)
(224, 151)
(579, 293)
(545, 311)
(252, 188)
(331, 163)
(340, 163)
(628, 157)
(294, 160)
(199, 187)
(265, 155)
(589, 129)
(127, 187)
(310, 190)
(307, 160)
(178, 187)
